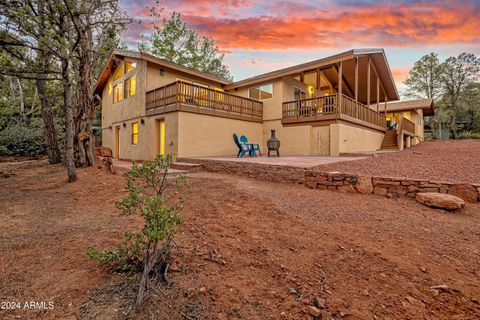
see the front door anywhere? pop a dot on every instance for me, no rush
(116, 151)
(161, 137)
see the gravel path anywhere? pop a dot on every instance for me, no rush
(454, 161)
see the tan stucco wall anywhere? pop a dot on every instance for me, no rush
(203, 135)
(349, 138)
(294, 140)
(148, 137)
(132, 110)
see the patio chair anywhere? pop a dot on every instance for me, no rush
(242, 147)
(253, 146)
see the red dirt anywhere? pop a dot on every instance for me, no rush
(248, 250)
(453, 161)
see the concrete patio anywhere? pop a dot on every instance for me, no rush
(289, 161)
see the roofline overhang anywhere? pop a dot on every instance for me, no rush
(323, 62)
(150, 58)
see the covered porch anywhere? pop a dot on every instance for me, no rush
(349, 87)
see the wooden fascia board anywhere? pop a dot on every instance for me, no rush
(291, 71)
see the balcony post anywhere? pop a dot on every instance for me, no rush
(368, 82)
(340, 85)
(356, 79)
(378, 94)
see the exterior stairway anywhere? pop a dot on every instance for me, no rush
(390, 140)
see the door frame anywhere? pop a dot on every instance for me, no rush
(159, 137)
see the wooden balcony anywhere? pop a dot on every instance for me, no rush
(331, 108)
(184, 96)
(408, 126)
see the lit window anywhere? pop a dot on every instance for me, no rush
(117, 92)
(298, 94)
(130, 66)
(262, 92)
(118, 73)
(135, 133)
(130, 86)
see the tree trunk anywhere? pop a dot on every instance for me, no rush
(49, 131)
(69, 125)
(84, 138)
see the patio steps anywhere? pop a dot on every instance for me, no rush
(390, 140)
(122, 166)
(187, 166)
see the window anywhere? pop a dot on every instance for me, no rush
(419, 119)
(118, 73)
(130, 66)
(135, 133)
(118, 92)
(261, 93)
(130, 86)
(299, 94)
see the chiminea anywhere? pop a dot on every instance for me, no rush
(273, 144)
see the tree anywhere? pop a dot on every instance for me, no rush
(425, 78)
(458, 73)
(68, 32)
(174, 41)
(148, 250)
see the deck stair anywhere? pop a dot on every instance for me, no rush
(390, 140)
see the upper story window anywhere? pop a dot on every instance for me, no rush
(261, 92)
(124, 81)
(130, 86)
(299, 94)
(118, 73)
(130, 66)
(118, 92)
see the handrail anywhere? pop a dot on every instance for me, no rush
(336, 104)
(202, 99)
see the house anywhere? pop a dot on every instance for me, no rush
(151, 106)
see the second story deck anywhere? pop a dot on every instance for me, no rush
(189, 97)
(332, 107)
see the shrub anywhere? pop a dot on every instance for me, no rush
(148, 250)
(23, 139)
(469, 135)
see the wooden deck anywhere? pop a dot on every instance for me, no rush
(332, 107)
(184, 96)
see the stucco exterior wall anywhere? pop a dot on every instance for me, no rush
(203, 135)
(351, 138)
(294, 140)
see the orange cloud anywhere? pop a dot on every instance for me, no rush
(407, 25)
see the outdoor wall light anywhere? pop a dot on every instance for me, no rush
(110, 127)
(124, 125)
(162, 72)
(142, 121)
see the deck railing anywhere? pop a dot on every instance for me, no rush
(408, 126)
(186, 96)
(331, 107)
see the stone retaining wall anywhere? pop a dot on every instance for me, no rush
(390, 187)
(283, 174)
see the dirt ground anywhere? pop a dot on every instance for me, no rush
(248, 250)
(454, 161)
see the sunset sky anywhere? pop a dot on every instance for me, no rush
(260, 36)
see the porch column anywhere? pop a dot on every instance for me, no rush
(340, 85)
(356, 79)
(368, 82)
(378, 94)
